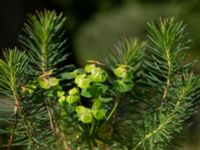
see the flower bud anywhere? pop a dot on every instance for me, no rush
(123, 72)
(89, 68)
(72, 99)
(82, 81)
(62, 100)
(98, 75)
(73, 91)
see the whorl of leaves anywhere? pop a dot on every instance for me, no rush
(43, 39)
(12, 70)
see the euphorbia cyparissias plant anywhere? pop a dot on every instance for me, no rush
(136, 99)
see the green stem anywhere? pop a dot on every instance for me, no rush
(169, 72)
(50, 117)
(44, 54)
(16, 107)
(113, 110)
(92, 128)
(97, 126)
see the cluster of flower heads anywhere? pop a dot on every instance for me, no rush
(92, 83)
(88, 83)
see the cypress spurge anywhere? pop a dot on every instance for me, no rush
(137, 99)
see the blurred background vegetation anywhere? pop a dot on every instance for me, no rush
(93, 27)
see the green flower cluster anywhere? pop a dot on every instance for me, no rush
(48, 83)
(86, 115)
(72, 96)
(124, 81)
(92, 83)
(89, 84)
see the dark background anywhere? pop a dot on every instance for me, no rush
(13, 14)
(94, 26)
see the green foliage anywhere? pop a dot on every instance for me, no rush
(12, 71)
(170, 82)
(25, 76)
(43, 39)
(137, 100)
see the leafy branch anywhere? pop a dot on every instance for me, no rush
(11, 72)
(167, 42)
(171, 121)
(43, 39)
